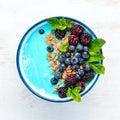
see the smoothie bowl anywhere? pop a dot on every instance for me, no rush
(59, 59)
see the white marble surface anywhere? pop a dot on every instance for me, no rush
(17, 102)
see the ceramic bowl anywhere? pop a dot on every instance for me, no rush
(33, 66)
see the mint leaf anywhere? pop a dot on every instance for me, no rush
(76, 90)
(60, 23)
(95, 45)
(77, 97)
(69, 23)
(69, 92)
(74, 93)
(95, 57)
(64, 47)
(97, 67)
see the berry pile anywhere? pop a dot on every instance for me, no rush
(72, 69)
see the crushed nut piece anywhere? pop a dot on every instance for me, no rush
(81, 67)
(49, 39)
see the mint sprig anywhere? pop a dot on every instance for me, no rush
(96, 44)
(97, 67)
(60, 23)
(64, 47)
(96, 56)
(74, 93)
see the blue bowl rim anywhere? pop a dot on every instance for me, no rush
(18, 53)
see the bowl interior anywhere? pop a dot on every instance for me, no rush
(33, 66)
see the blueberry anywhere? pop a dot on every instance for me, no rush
(78, 55)
(78, 77)
(79, 47)
(74, 60)
(50, 48)
(67, 54)
(81, 72)
(71, 48)
(57, 75)
(85, 48)
(85, 55)
(81, 61)
(62, 67)
(61, 58)
(86, 67)
(41, 31)
(68, 61)
(54, 81)
(75, 67)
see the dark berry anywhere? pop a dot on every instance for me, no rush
(85, 39)
(67, 54)
(57, 75)
(79, 47)
(59, 34)
(78, 55)
(85, 48)
(78, 77)
(81, 72)
(68, 61)
(73, 40)
(62, 67)
(74, 60)
(81, 61)
(85, 55)
(61, 58)
(86, 67)
(81, 84)
(50, 48)
(62, 92)
(54, 81)
(71, 48)
(88, 76)
(41, 31)
(75, 67)
(76, 30)
(70, 80)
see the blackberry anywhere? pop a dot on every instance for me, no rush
(73, 40)
(85, 39)
(70, 80)
(76, 30)
(81, 84)
(59, 34)
(88, 76)
(62, 92)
